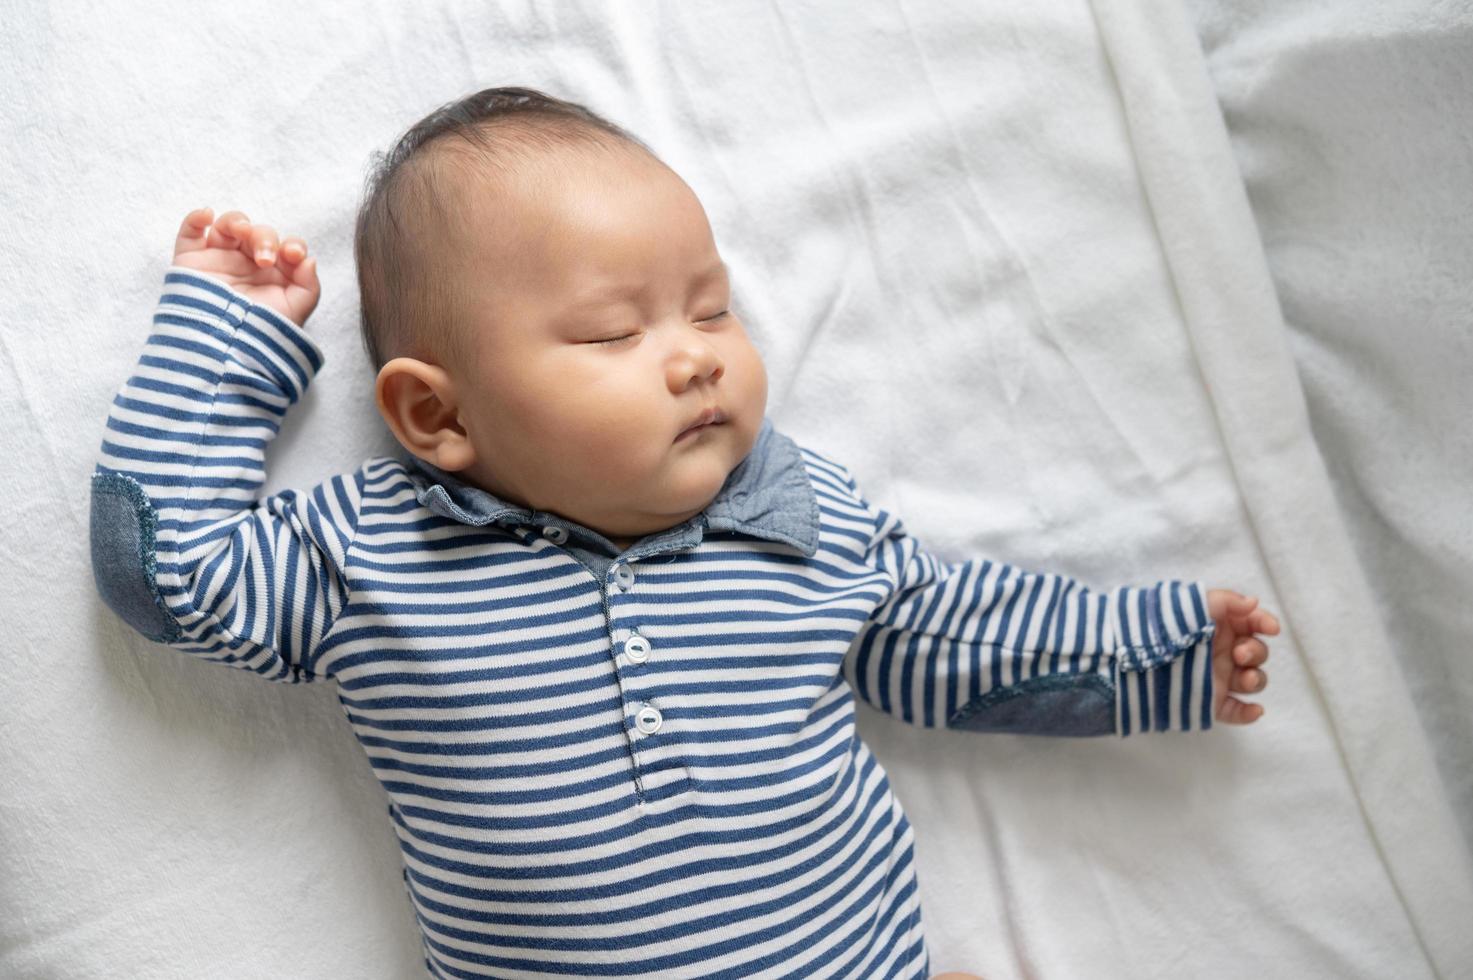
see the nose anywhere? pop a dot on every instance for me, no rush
(694, 360)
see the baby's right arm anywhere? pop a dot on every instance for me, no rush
(182, 548)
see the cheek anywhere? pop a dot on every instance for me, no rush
(551, 396)
(759, 371)
(753, 378)
(521, 419)
(604, 421)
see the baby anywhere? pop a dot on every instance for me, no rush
(601, 631)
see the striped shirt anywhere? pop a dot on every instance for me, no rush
(602, 762)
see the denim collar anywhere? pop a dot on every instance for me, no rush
(768, 495)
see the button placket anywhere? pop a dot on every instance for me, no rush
(662, 777)
(555, 534)
(670, 778)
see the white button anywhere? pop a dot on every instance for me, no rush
(648, 720)
(624, 577)
(638, 649)
(555, 534)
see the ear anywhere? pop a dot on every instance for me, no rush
(418, 401)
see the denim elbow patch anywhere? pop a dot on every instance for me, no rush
(122, 528)
(1054, 704)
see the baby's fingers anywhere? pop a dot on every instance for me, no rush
(262, 245)
(292, 260)
(1249, 652)
(302, 275)
(1263, 621)
(1250, 681)
(228, 230)
(302, 288)
(192, 233)
(293, 249)
(1235, 712)
(233, 230)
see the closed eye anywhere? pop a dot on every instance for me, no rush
(629, 336)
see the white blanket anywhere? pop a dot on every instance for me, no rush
(1351, 127)
(1025, 224)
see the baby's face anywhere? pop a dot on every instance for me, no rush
(601, 329)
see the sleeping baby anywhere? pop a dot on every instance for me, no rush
(601, 630)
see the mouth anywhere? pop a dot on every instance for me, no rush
(707, 419)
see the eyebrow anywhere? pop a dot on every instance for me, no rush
(596, 297)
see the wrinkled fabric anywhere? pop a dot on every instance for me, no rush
(974, 276)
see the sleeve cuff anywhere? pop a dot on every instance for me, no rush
(1163, 655)
(262, 340)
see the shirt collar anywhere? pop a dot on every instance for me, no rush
(768, 495)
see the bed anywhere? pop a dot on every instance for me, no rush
(1141, 290)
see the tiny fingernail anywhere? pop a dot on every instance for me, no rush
(263, 253)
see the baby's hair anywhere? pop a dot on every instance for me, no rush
(409, 304)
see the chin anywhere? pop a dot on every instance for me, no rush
(700, 483)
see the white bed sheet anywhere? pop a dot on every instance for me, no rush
(1023, 225)
(1353, 128)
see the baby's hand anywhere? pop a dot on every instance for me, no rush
(247, 258)
(1237, 654)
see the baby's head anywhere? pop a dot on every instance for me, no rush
(547, 311)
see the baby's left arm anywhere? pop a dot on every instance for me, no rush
(984, 646)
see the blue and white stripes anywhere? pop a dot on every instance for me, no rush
(649, 769)
(953, 636)
(253, 583)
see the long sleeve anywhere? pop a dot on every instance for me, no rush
(983, 646)
(183, 549)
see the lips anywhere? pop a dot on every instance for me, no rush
(711, 416)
